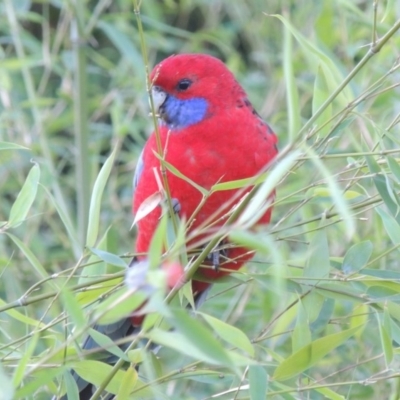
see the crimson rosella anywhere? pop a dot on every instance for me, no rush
(210, 133)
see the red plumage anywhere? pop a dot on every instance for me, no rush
(231, 142)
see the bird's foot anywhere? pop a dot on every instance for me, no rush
(216, 255)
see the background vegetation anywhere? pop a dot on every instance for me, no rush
(318, 308)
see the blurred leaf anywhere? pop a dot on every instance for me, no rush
(239, 184)
(385, 335)
(73, 309)
(258, 204)
(109, 258)
(179, 174)
(330, 394)
(357, 257)
(391, 225)
(7, 387)
(30, 348)
(318, 264)
(325, 314)
(320, 95)
(25, 198)
(292, 97)
(185, 345)
(38, 267)
(311, 354)
(95, 202)
(200, 337)
(249, 240)
(394, 167)
(147, 206)
(229, 333)
(301, 334)
(12, 146)
(339, 201)
(360, 317)
(118, 305)
(158, 243)
(382, 187)
(96, 372)
(106, 343)
(122, 43)
(38, 380)
(21, 317)
(128, 382)
(258, 380)
(71, 386)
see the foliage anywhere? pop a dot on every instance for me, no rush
(316, 314)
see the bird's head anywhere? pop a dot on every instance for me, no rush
(188, 88)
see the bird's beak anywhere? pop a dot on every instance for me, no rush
(159, 97)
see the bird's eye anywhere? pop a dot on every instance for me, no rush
(183, 84)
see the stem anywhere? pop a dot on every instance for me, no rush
(80, 121)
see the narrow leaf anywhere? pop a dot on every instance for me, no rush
(25, 198)
(229, 333)
(95, 201)
(311, 354)
(357, 257)
(258, 379)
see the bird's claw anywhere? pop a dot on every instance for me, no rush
(215, 257)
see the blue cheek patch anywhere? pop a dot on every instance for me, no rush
(178, 114)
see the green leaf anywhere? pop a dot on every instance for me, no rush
(158, 242)
(394, 167)
(106, 343)
(122, 42)
(258, 380)
(95, 201)
(301, 334)
(11, 146)
(239, 184)
(330, 394)
(357, 257)
(335, 191)
(73, 309)
(13, 313)
(72, 387)
(258, 204)
(179, 174)
(381, 184)
(386, 337)
(184, 345)
(200, 337)
(25, 198)
(7, 387)
(109, 258)
(311, 354)
(96, 372)
(38, 267)
(128, 383)
(229, 333)
(318, 263)
(25, 359)
(38, 380)
(320, 95)
(292, 94)
(118, 305)
(391, 225)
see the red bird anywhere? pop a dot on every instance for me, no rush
(210, 133)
